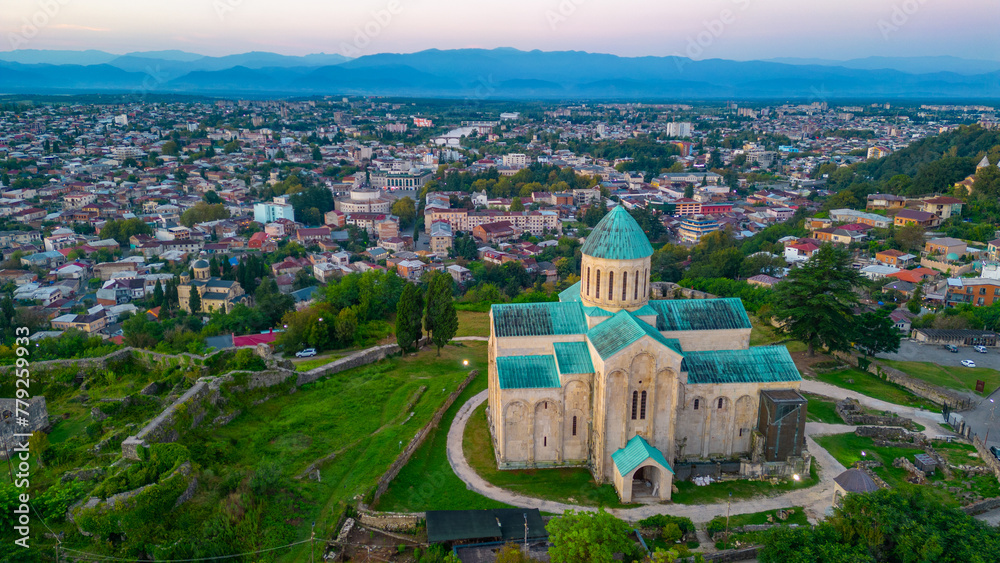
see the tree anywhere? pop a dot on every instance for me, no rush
(910, 237)
(169, 148)
(212, 197)
(203, 212)
(441, 320)
(345, 325)
(194, 303)
(406, 210)
(874, 332)
(157, 294)
(317, 154)
(512, 553)
(916, 302)
(689, 191)
(408, 318)
(37, 444)
(595, 537)
(815, 300)
(516, 205)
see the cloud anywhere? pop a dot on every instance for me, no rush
(79, 27)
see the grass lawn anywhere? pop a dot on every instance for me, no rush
(570, 485)
(867, 384)
(472, 323)
(762, 334)
(315, 362)
(961, 378)
(427, 482)
(822, 409)
(848, 448)
(365, 415)
(756, 518)
(689, 493)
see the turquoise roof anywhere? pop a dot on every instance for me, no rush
(596, 312)
(645, 311)
(700, 314)
(571, 293)
(635, 452)
(623, 329)
(573, 357)
(538, 319)
(760, 364)
(527, 372)
(617, 237)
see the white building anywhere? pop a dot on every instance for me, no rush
(270, 212)
(679, 129)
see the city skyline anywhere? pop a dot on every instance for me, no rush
(730, 29)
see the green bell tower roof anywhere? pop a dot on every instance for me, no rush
(617, 237)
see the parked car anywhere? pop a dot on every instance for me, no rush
(951, 348)
(981, 349)
(968, 363)
(308, 352)
(995, 452)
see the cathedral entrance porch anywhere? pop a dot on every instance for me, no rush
(641, 473)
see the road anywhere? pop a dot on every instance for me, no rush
(910, 351)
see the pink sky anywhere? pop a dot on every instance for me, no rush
(733, 29)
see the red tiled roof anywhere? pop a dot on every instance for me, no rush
(254, 339)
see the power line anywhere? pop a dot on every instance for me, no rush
(96, 557)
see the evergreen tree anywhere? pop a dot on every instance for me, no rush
(916, 302)
(157, 294)
(195, 301)
(875, 332)
(213, 267)
(815, 300)
(408, 313)
(441, 320)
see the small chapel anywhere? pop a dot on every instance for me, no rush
(629, 386)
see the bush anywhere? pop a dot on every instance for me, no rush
(672, 533)
(663, 520)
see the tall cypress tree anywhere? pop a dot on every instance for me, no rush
(157, 294)
(441, 311)
(195, 301)
(408, 313)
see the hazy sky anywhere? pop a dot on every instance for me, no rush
(733, 29)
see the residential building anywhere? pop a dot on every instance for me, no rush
(885, 201)
(694, 227)
(492, 233)
(943, 206)
(913, 217)
(893, 257)
(947, 247)
(441, 238)
(978, 292)
(265, 213)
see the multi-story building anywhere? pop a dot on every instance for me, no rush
(412, 180)
(364, 200)
(441, 238)
(978, 292)
(216, 294)
(943, 206)
(463, 220)
(694, 227)
(270, 212)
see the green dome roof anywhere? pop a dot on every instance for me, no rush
(952, 256)
(200, 264)
(617, 237)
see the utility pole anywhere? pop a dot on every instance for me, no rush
(525, 514)
(729, 504)
(312, 543)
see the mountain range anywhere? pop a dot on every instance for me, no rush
(502, 73)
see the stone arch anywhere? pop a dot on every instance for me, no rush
(719, 439)
(516, 431)
(744, 420)
(576, 401)
(614, 413)
(697, 415)
(547, 436)
(641, 395)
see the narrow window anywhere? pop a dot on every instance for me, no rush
(588, 281)
(636, 283)
(624, 285)
(611, 285)
(597, 293)
(574, 426)
(696, 404)
(635, 403)
(642, 407)
(545, 441)
(545, 405)
(645, 286)
(741, 432)
(720, 402)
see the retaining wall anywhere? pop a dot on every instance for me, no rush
(986, 456)
(918, 387)
(390, 521)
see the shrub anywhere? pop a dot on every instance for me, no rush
(663, 520)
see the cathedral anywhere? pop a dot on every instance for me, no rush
(628, 386)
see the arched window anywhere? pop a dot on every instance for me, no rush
(721, 401)
(696, 404)
(588, 281)
(574, 426)
(645, 286)
(636, 296)
(611, 285)
(624, 285)
(635, 404)
(642, 407)
(597, 293)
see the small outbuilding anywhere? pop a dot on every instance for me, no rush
(477, 526)
(852, 481)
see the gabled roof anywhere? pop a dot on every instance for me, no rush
(760, 364)
(573, 357)
(700, 314)
(623, 329)
(538, 319)
(617, 237)
(635, 452)
(571, 293)
(527, 372)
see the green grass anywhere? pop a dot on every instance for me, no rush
(872, 386)
(472, 323)
(848, 448)
(313, 363)
(961, 378)
(822, 409)
(762, 334)
(719, 491)
(569, 485)
(757, 518)
(427, 481)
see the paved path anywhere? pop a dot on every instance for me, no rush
(472, 338)
(815, 499)
(930, 420)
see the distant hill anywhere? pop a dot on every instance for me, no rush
(503, 74)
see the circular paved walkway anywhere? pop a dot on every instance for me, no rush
(815, 499)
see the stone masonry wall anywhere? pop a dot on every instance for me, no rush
(920, 388)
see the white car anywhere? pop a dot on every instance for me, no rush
(308, 352)
(980, 349)
(968, 363)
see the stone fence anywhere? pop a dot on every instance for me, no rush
(850, 412)
(982, 506)
(357, 359)
(986, 456)
(670, 290)
(390, 521)
(952, 269)
(918, 387)
(418, 439)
